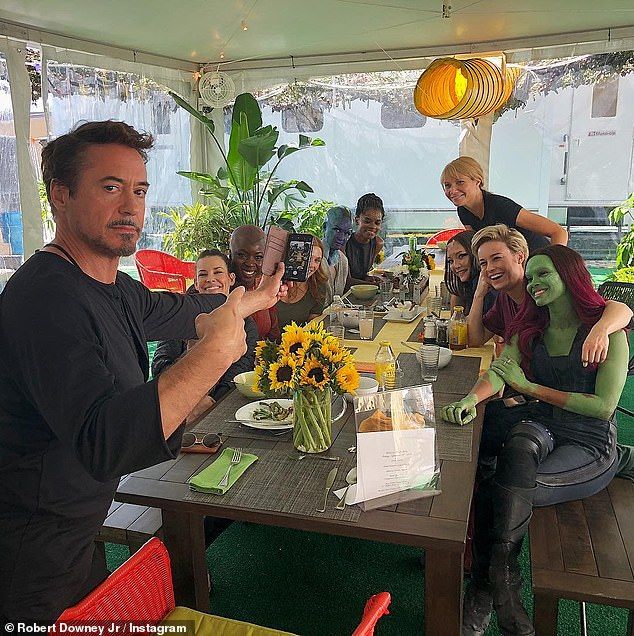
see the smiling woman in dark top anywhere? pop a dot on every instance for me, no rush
(363, 246)
(463, 183)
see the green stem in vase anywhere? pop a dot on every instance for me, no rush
(304, 426)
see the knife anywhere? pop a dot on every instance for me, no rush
(330, 480)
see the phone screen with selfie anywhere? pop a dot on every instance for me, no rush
(298, 255)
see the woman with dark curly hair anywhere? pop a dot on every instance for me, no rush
(558, 446)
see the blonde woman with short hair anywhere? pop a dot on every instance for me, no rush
(463, 183)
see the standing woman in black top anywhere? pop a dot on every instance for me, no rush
(363, 246)
(463, 179)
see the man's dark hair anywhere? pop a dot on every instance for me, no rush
(369, 202)
(62, 158)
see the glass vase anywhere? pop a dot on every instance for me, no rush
(312, 421)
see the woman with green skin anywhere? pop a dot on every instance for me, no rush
(559, 446)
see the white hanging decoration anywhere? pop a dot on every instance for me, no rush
(216, 89)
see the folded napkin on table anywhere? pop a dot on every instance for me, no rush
(365, 367)
(207, 480)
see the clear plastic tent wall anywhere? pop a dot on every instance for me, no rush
(11, 239)
(81, 92)
(561, 147)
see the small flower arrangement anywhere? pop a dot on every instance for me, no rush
(416, 261)
(308, 357)
(309, 363)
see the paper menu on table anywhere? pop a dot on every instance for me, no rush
(393, 461)
(396, 444)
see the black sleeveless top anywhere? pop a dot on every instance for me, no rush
(566, 373)
(360, 257)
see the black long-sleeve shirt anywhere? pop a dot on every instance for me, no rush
(168, 351)
(76, 413)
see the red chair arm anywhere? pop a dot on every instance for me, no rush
(375, 608)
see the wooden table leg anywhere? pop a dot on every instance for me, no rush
(443, 593)
(545, 608)
(184, 537)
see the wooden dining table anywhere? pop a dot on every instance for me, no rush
(278, 490)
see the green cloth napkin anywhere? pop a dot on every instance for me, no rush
(207, 480)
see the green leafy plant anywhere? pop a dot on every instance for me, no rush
(196, 227)
(309, 219)
(625, 249)
(48, 222)
(251, 147)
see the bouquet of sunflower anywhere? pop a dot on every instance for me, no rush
(309, 363)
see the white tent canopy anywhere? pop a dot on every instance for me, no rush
(285, 40)
(305, 32)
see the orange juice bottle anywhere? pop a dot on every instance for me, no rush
(458, 329)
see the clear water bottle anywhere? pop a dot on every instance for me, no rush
(385, 366)
(336, 312)
(458, 329)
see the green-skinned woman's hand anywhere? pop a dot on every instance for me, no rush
(461, 412)
(511, 372)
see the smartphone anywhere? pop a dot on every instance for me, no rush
(298, 253)
(514, 400)
(293, 249)
(274, 249)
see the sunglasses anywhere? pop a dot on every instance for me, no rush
(194, 443)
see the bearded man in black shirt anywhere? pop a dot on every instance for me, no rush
(76, 408)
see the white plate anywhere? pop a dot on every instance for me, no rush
(394, 315)
(245, 415)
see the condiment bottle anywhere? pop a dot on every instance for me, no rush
(458, 329)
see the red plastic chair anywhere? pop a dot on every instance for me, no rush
(444, 235)
(159, 270)
(141, 590)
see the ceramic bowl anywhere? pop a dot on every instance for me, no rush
(367, 386)
(244, 384)
(444, 357)
(364, 292)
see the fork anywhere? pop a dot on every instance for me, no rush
(235, 459)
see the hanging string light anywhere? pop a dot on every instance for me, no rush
(464, 89)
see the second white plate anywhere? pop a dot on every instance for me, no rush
(394, 315)
(245, 415)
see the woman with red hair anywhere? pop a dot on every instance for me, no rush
(558, 446)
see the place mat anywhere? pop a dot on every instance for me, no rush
(278, 483)
(216, 421)
(453, 442)
(236, 429)
(379, 323)
(458, 376)
(416, 330)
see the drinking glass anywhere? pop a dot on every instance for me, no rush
(434, 305)
(339, 332)
(429, 362)
(366, 324)
(385, 287)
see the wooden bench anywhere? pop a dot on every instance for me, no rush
(131, 525)
(584, 551)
